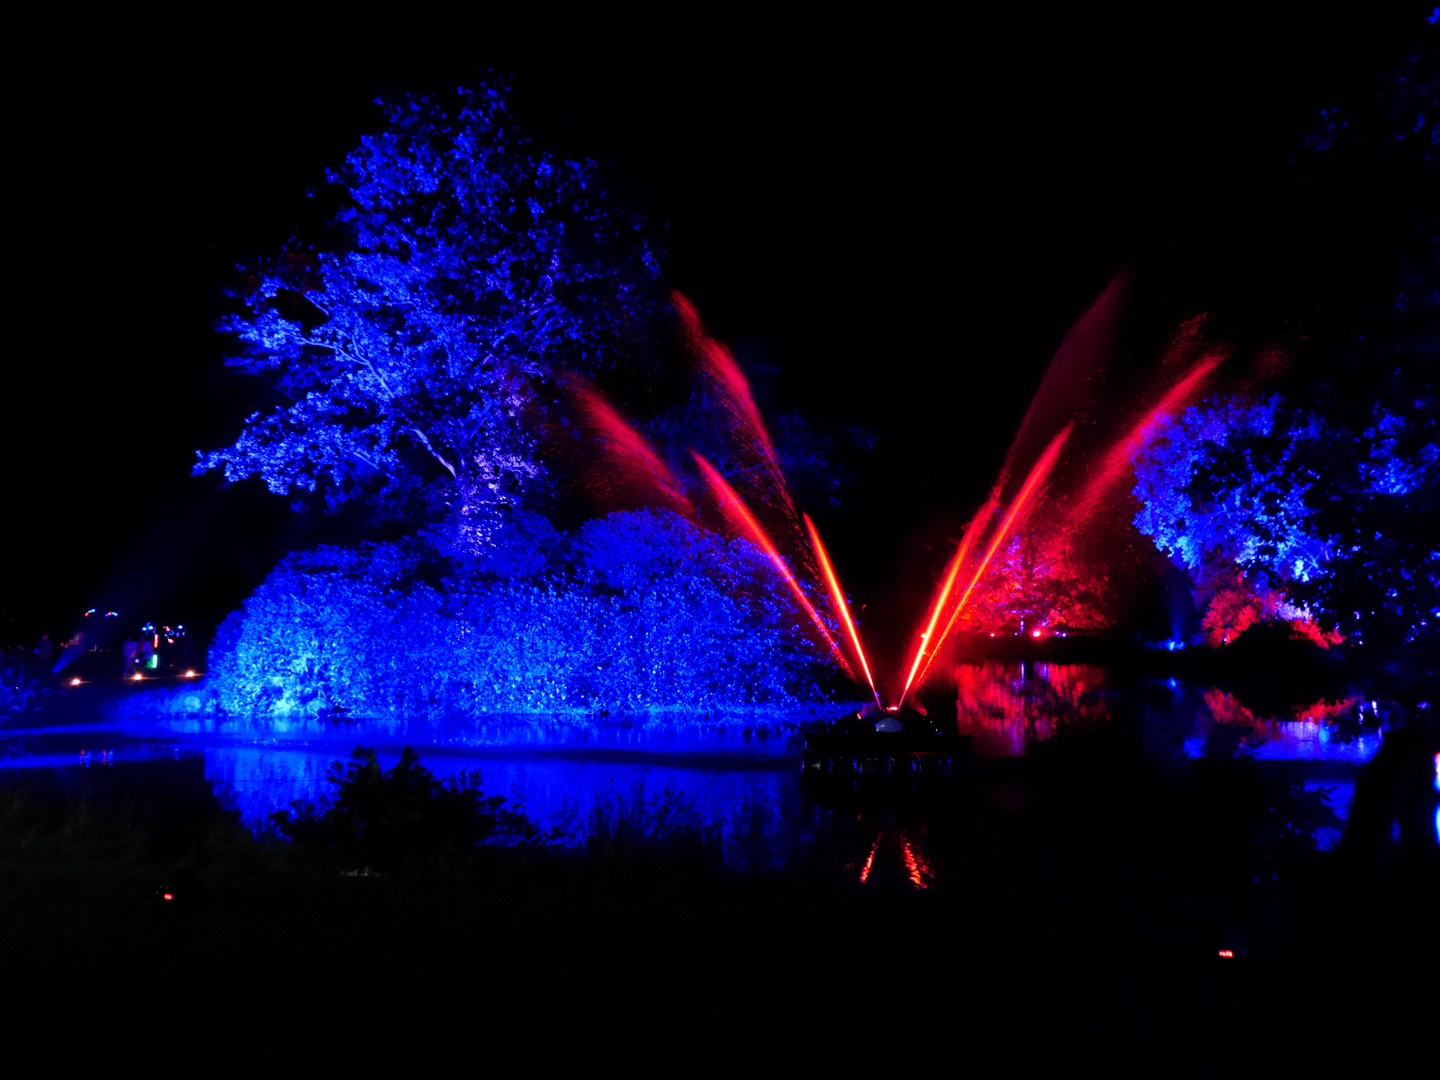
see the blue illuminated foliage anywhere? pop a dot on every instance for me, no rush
(1274, 512)
(410, 364)
(635, 612)
(1225, 484)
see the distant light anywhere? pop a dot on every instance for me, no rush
(1228, 954)
(189, 675)
(169, 896)
(74, 682)
(112, 614)
(138, 676)
(89, 613)
(892, 708)
(1437, 772)
(1035, 633)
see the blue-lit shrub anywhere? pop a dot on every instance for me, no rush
(635, 612)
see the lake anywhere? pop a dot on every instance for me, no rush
(737, 779)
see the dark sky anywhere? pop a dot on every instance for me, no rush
(903, 216)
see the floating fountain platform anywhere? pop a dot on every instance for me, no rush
(902, 746)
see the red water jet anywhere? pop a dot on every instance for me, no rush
(720, 368)
(1117, 459)
(972, 533)
(1076, 374)
(632, 459)
(739, 514)
(1019, 505)
(837, 598)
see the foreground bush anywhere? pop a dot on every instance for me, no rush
(388, 819)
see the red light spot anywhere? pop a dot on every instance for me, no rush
(169, 896)
(1228, 954)
(1035, 633)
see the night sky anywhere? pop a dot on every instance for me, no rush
(903, 217)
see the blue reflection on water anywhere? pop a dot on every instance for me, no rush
(735, 777)
(1341, 794)
(734, 780)
(1296, 741)
(753, 807)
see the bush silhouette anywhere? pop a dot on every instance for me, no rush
(402, 816)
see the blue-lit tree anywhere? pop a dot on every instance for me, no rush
(411, 363)
(1275, 513)
(1332, 509)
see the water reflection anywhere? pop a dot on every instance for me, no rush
(753, 808)
(1333, 730)
(1006, 707)
(735, 778)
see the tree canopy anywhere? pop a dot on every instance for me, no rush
(1276, 513)
(409, 362)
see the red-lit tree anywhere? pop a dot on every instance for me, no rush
(1038, 580)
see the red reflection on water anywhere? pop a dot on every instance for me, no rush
(1323, 711)
(915, 864)
(1308, 731)
(1227, 708)
(1005, 706)
(870, 859)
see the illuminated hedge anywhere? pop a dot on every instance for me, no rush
(636, 612)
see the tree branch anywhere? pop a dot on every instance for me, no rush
(425, 440)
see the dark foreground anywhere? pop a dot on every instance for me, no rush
(1079, 903)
